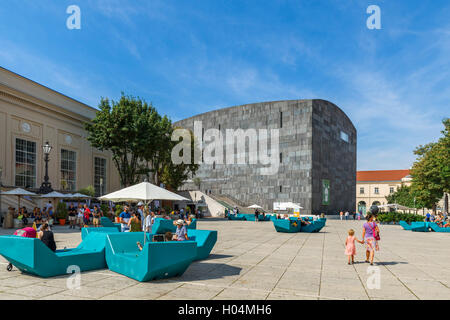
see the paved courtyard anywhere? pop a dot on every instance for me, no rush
(252, 261)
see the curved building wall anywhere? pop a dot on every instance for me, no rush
(311, 150)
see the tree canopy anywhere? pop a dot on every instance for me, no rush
(431, 170)
(139, 139)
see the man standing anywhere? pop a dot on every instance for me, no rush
(124, 218)
(149, 222)
(346, 215)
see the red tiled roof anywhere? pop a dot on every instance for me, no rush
(381, 175)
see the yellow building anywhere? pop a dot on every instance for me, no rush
(32, 114)
(372, 187)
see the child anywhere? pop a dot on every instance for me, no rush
(350, 249)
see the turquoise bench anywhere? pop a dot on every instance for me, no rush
(405, 225)
(436, 228)
(314, 226)
(264, 218)
(86, 231)
(32, 256)
(205, 240)
(105, 222)
(157, 260)
(286, 226)
(161, 226)
(420, 226)
(236, 217)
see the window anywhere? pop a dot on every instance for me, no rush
(377, 190)
(68, 170)
(281, 189)
(214, 165)
(391, 190)
(344, 136)
(281, 119)
(281, 157)
(25, 164)
(361, 190)
(99, 173)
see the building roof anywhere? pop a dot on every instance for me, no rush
(32, 89)
(381, 175)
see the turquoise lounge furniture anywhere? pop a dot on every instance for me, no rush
(86, 231)
(157, 260)
(314, 226)
(192, 225)
(105, 222)
(161, 226)
(286, 226)
(264, 218)
(436, 228)
(236, 217)
(32, 256)
(205, 240)
(420, 226)
(405, 225)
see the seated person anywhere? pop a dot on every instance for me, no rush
(46, 236)
(168, 236)
(181, 233)
(303, 222)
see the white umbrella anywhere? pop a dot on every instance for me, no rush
(144, 191)
(293, 205)
(255, 206)
(55, 194)
(79, 196)
(19, 193)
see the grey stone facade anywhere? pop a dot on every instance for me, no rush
(311, 149)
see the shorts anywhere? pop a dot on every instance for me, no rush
(72, 218)
(96, 221)
(86, 221)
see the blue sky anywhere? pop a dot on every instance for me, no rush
(189, 57)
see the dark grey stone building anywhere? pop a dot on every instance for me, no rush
(317, 156)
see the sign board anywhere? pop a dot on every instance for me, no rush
(325, 192)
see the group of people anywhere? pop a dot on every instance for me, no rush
(142, 219)
(37, 216)
(346, 215)
(83, 215)
(441, 219)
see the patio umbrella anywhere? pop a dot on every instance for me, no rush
(19, 193)
(144, 191)
(79, 196)
(255, 206)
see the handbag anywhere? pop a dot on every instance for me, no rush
(376, 234)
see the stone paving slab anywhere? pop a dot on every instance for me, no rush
(252, 261)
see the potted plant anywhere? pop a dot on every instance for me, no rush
(61, 213)
(118, 211)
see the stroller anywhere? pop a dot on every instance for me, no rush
(27, 232)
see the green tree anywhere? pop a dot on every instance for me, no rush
(139, 139)
(405, 197)
(88, 191)
(431, 170)
(130, 129)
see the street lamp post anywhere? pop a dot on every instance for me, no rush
(101, 188)
(46, 186)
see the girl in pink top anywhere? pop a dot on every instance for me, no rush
(350, 249)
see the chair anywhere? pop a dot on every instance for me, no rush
(157, 260)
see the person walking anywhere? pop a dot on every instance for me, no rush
(346, 214)
(371, 236)
(350, 249)
(341, 215)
